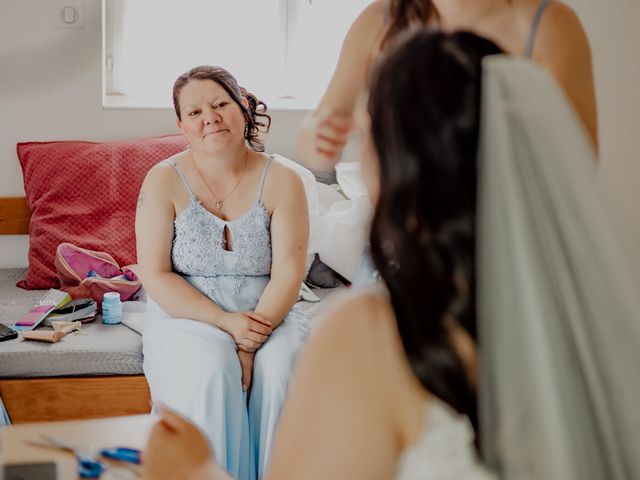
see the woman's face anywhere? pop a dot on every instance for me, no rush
(368, 156)
(211, 121)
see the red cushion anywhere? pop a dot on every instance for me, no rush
(85, 193)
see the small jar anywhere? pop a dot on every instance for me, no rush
(111, 308)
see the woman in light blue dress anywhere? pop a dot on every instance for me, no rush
(222, 233)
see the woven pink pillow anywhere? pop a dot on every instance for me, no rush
(85, 193)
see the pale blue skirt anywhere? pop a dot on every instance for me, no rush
(193, 368)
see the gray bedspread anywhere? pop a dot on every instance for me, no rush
(99, 350)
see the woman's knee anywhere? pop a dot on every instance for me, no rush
(205, 357)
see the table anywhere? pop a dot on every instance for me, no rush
(90, 435)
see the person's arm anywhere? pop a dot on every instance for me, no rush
(178, 450)
(324, 132)
(289, 238)
(563, 48)
(154, 235)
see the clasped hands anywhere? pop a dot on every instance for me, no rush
(249, 330)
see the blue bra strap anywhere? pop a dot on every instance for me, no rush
(534, 27)
(264, 175)
(174, 164)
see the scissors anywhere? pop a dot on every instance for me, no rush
(88, 466)
(122, 454)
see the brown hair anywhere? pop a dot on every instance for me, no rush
(403, 14)
(256, 115)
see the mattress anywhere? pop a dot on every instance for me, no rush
(99, 350)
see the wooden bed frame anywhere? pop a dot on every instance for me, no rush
(65, 398)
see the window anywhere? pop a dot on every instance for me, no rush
(284, 51)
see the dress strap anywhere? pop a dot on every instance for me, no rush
(174, 164)
(534, 27)
(264, 175)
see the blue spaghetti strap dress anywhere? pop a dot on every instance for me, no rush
(193, 367)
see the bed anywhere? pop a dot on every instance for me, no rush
(85, 193)
(93, 374)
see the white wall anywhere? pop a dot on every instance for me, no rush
(612, 28)
(50, 82)
(50, 89)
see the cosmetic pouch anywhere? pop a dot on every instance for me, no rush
(86, 273)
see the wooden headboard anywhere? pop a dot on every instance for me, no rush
(14, 216)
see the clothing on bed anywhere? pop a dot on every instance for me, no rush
(193, 367)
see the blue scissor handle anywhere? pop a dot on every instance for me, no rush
(89, 467)
(123, 454)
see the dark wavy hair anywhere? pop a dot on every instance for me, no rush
(424, 104)
(256, 115)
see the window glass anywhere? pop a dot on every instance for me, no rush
(277, 49)
(316, 32)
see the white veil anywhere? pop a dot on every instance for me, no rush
(558, 298)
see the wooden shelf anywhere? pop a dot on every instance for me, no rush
(14, 216)
(29, 400)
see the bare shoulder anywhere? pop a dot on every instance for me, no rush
(562, 46)
(526, 9)
(561, 28)
(371, 18)
(282, 181)
(557, 18)
(359, 326)
(279, 171)
(162, 175)
(350, 353)
(558, 11)
(162, 187)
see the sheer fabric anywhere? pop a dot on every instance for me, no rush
(558, 298)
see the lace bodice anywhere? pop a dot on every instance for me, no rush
(445, 451)
(198, 243)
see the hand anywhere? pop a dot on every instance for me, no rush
(246, 362)
(176, 449)
(248, 329)
(329, 134)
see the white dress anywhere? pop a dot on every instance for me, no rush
(445, 451)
